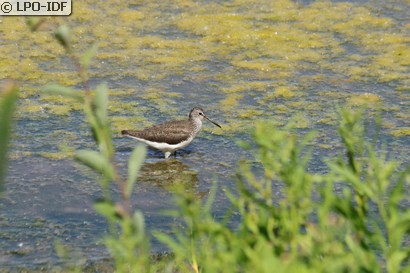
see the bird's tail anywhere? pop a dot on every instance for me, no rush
(125, 133)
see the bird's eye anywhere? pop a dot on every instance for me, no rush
(201, 113)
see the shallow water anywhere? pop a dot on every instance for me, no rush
(241, 62)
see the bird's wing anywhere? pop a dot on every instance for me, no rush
(172, 132)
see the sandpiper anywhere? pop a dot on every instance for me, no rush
(171, 136)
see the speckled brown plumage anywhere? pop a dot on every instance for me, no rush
(172, 135)
(172, 132)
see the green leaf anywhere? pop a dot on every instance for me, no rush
(34, 23)
(68, 92)
(351, 177)
(101, 102)
(134, 165)
(96, 161)
(139, 223)
(395, 260)
(106, 209)
(173, 244)
(88, 55)
(63, 36)
(9, 96)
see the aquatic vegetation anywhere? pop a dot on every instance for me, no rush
(365, 99)
(404, 131)
(270, 51)
(279, 59)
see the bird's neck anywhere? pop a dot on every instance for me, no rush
(197, 124)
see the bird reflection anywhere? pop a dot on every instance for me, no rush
(169, 174)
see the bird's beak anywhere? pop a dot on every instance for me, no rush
(213, 122)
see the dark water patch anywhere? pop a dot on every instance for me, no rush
(52, 201)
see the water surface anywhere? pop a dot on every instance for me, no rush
(241, 61)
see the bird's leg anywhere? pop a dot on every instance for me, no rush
(175, 154)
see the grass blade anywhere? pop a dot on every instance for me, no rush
(7, 103)
(96, 161)
(56, 89)
(134, 165)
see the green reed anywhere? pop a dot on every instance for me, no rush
(8, 100)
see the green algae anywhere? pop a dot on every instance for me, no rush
(231, 101)
(283, 91)
(404, 131)
(55, 155)
(364, 99)
(128, 122)
(300, 121)
(264, 59)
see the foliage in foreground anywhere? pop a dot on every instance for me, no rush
(127, 242)
(362, 227)
(8, 99)
(353, 219)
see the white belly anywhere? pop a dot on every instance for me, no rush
(165, 147)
